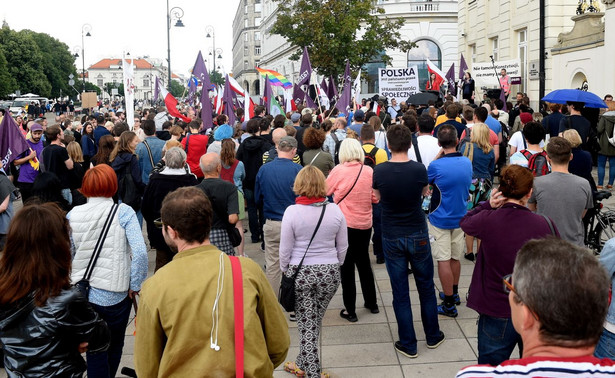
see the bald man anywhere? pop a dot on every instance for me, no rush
(277, 135)
(224, 202)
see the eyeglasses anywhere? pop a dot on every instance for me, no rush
(508, 287)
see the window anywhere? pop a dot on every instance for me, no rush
(146, 82)
(372, 68)
(257, 63)
(99, 82)
(245, 64)
(473, 53)
(257, 21)
(114, 82)
(426, 49)
(258, 7)
(245, 23)
(245, 50)
(245, 9)
(257, 50)
(522, 38)
(494, 48)
(257, 36)
(245, 37)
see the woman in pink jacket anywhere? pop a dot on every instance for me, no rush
(351, 185)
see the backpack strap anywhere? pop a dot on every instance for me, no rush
(417, 152)
(238, 312)
(527, 154)
(149, 152)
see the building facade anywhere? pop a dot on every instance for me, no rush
(107, 73)
(510, 30)
(583, 56)
(247, 44)
(430, 24)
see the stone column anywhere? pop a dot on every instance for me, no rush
(609, 46)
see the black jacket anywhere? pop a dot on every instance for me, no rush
(43, 341)
(251, 152)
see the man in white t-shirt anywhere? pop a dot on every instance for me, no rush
(517, 142)
(533, 134)
(427, 145)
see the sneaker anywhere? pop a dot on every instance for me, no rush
(456, 296)
(437, 343)
(450, 311)
(292, 317)
(405, 351)
(470, 256)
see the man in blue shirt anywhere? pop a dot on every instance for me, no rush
(450, 176)
(150, 150)
(98, 123)
(274, 190)
(359, 117)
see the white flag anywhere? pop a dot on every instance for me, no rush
(129, 92)
(356, 88)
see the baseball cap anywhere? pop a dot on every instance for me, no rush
(359, 115)
(525, 118)
(295, 117)
(36, 127)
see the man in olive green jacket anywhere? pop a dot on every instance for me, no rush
(182, 330)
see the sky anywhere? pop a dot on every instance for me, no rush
(136, 26)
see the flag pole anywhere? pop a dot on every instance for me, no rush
(343, 83)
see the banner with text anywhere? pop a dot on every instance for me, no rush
(398, 83)
(484, 74)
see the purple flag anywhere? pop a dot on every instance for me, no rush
(308, 100)
(298, 95)
(463, 67)
(12, 141)
(450, 78)
(200, 71)
(325, 88)
(344, 101)
(306, 69)
(503, 98)
(227, 100)
(267, 95)
(332, 89)
(157, 89)
(206, 110)
(191, 90)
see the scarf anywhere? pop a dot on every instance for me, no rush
(303, 200)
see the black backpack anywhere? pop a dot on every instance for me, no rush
(336, 153)
(370, 157)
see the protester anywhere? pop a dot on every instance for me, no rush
(400, 185)
(533, 135)
(88, 145)
(170, 317)
(106, 144)
(606, 345)
(124, 162)
(234, 172)
(149, 151)
(195, 146)
(335, 138)
(47, 187)
(7, 196)
(450, 177)
(581, 163)
(273, 189)
(224, 202)
(558, 309)
(315, 229)
(606, 130)
(490, 222)
(560, 195)
(56, 160)
(161, 183)
(578, 122)
(313, 140)
(76, 174)
(45, 323)
(119, 270)
(29, 163)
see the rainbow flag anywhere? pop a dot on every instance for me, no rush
(275, 78)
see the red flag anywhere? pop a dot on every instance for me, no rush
(171, 104)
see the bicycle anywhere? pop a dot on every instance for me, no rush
(601, 223)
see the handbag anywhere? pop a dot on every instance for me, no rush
(234, 235)
(352, 187)
(83, 285)
(128, 192)
(286, 296)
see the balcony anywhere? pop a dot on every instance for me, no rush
(407, 6)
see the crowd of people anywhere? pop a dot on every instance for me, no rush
(316, 187)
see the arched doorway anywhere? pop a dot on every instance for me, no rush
(417, 56)
(579, 81)
(246, 85)
(257, 87)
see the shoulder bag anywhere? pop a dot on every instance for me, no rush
(287, 286)
(352, 187)
(238, 310)
(149, 152)
(84, 284)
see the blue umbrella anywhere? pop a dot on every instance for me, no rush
(562, 96)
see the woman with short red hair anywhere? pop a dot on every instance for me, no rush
(116, 277)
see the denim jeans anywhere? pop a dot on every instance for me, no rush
(256, 219)
(105, 364)
(496, 340)
(606, 345)
(602, 168)
(68, 196)
(416, 250)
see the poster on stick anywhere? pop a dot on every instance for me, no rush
(484, 74)
(398, 83)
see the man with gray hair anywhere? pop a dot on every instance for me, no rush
(558, 310)
(224, 202)
(276, 136)
(274, 190)
(161, 183)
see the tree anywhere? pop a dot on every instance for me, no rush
(89, 87)
(216, 78)
(109, 86)
(177, 89)
(335, 31)
(58, 62)
(7, 82)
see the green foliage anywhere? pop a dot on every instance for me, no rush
(34, 62)
(109, 86)
(335, 31)
(216, 78)
(177, 89)
(89, 87)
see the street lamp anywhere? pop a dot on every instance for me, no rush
(176, 13)
(85, 32)
(213, 51)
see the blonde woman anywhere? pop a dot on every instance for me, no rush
(481, 153)
(380, 133)
(124, 162)
(323, 243)
(76, 174)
